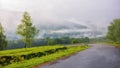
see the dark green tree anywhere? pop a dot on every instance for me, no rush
(27, 30)
(3, 41)
(113, 33)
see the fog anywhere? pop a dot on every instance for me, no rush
(97, 13)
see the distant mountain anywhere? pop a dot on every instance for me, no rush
(71, 30)
(55, 26)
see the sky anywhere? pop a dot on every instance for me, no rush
(98, 12)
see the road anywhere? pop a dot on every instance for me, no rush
(98, 56)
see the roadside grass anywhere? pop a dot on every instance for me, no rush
(11, 56)
(116, 45)
(107, 43)
(25, 51)
(39, 60)
(112, 44)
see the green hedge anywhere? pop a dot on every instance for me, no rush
(5, 60)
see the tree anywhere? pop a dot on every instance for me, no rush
(27, 30)
(86, 40)
(113, 33)
(3, 41)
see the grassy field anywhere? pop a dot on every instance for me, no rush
(31, 63)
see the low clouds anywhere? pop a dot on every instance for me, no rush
(98, 12)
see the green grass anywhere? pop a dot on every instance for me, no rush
(115, 44)
(25, 51)
(39, 60)
(17, 55)
(112, 43)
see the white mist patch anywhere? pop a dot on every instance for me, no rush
(71, 30)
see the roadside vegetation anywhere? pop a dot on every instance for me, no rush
(3, 40)
(113, 34)
(51, 53)
(11, 56)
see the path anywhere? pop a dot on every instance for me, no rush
(98, 56)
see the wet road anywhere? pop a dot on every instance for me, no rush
(98, 56)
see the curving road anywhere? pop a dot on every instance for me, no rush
(98, 56)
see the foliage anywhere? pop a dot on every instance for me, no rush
(39, 60)
(27, 30)
(13, 44)
(3, 41)
(63, 40)
(114, 31)
(99, 40)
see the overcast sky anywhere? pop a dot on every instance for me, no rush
(99, 12)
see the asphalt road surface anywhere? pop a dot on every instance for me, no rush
(98, 56)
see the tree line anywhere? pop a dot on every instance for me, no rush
(13, 44)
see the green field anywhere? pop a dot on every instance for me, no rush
(51, 53)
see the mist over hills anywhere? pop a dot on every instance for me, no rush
(54, 29)
(57, 31)
(56, 18)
